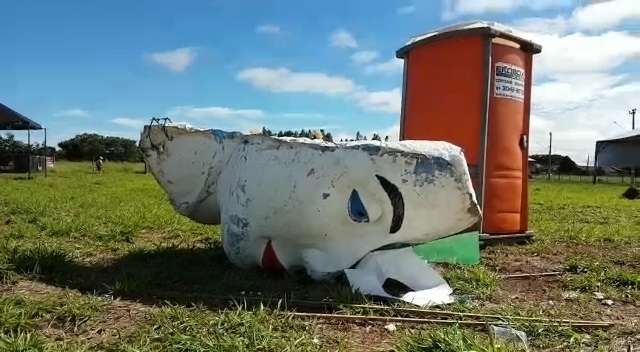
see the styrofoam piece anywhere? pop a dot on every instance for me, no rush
(296, 203)
(401, 274)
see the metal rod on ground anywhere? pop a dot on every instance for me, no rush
(527, 275)
(373, 318)
(477, 315)
(293, 303)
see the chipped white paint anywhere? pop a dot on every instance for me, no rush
(289, 203)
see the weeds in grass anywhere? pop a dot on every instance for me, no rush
(474, 280)
(449, 339)
(21, 341)
(175, 328)
(15, 315)
(69, 311)
(601, 274)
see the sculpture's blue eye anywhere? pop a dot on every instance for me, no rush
(357, 211)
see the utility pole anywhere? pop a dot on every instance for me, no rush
(588, 164)
(632, 112)
(549, 166)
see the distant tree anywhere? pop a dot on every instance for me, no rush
(328, 137)
(386, 138)
(9, 145)
(358, 136)
(88, 146)
(566, 165)
(266, 132)
(376, 137)
(559, 163)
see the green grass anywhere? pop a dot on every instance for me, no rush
(476, 280)
(114, 235)
(603, 275)
(450, 339)
(578, 212)
(180, 329)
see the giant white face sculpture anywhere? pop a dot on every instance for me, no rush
(292, 203)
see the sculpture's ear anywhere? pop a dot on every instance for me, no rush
(186, 163)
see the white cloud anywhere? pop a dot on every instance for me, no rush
(393, 132)
(388, 101)
(303, 115)
(176, 60)
(284, 80)
(392, 65)
(580, 53)
(72, 113)
(341, 38)
(543, 25)
(596, 16)
(568, 92)
(455, 8)
(405, 10)
(364, 56)
(605, 14)
(214, 112)
(579, 109)
(575, 94)
(268, 29)
(136, 123)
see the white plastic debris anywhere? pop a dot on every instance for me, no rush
(598, 295)
(391, 327)
(509, 336)
(399, 273)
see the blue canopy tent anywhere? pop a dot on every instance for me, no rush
(15, 121)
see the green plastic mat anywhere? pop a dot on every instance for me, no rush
(463, 248)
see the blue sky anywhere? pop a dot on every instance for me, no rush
(108, 66)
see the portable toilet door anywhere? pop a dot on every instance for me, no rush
(470, 84)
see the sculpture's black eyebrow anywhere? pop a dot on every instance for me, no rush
(397, 203)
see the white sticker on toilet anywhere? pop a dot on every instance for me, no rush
(509, 81)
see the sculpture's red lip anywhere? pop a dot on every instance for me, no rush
(270, 261)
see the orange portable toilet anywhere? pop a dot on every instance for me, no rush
(470, 84)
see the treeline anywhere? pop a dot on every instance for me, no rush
(319, 134)
(9, 146)
(311, 134)
(559, 163)
(89, 146)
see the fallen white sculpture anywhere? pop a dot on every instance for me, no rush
(289, 203)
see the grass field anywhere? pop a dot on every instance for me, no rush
(101, 262)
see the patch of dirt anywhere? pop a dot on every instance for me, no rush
(525, 259)
(514, 263)
(537, 289)
(118, 319)
(354, 337)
